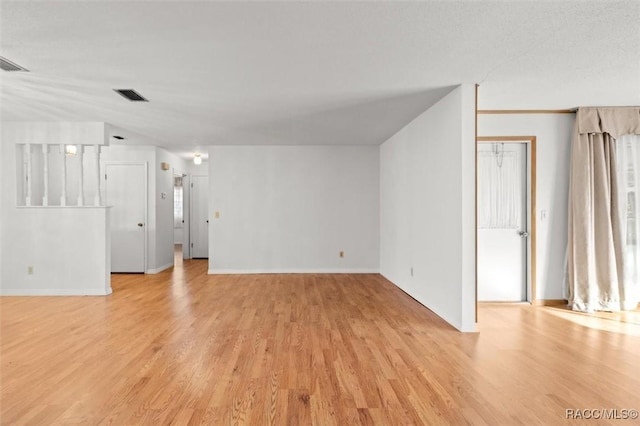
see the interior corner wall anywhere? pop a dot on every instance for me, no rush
(427, 208)
(294, 209)
(159, 210)
(145, 154)
(553, 138)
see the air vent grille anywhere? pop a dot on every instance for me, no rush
(118, 137)
(7, 65)
(132, 95)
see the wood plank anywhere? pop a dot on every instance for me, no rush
(184, 347)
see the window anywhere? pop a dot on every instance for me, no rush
(628, 164)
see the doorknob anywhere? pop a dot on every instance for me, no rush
(140, 224)
(523, 234)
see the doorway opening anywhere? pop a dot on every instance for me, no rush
(506, 219)
(181, 220)
(178, 213)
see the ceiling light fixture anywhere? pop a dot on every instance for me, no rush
(197, 159)
(71, 149)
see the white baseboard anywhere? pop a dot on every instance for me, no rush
(160, 269)
(290, 271)
(53, 292)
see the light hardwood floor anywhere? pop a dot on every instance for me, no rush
(182, 347)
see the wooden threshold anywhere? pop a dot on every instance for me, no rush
(550, 302)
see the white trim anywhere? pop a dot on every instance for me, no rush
(53, 292)
(291, 271)
(160, 269)
(530, 297)
(63, 207)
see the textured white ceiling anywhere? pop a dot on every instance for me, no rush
(307, 73)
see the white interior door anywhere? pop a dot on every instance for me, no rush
(126, 194)
(199, 225)
(186, 215)
(502, 222)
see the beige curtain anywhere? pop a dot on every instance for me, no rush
(595, 254)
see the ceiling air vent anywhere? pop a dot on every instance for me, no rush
(118, 137)
(132, 95)
(7, 65)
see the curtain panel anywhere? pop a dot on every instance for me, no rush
(596, 239)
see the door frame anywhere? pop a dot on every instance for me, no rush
(145, 164)
(191, 209)
(531, 203)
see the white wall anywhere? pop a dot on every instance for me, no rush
(67, 248)
(553, 138)
(197, 169)
(427, 208)
(294, 208)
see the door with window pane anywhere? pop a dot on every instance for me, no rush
(502, 222)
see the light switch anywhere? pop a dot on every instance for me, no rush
(217, 215)
(543, 215)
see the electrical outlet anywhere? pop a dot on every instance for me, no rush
(341, 254)
(30, 270)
